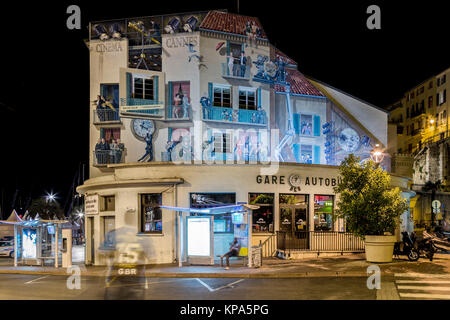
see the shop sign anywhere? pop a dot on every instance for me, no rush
(91, 204)
(296, 181)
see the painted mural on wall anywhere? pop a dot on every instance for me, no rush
(143, 129)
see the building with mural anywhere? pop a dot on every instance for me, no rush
(199, 110)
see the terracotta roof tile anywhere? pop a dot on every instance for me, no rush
(278, 53)
(299, 84)
(229, 22)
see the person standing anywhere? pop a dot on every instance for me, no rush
(113, 148)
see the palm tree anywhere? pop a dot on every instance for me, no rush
(47, 210)
(433, 187)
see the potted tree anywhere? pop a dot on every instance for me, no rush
(370, 206)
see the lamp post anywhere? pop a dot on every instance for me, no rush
(377, 154)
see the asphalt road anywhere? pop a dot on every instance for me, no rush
(19, 286)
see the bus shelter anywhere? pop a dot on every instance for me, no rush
(37, 241)
(196, 236)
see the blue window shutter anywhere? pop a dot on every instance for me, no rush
(296, 150)
(316, 125)
(170, 85)
(228, 59)
(258, 97)
(116, 96)
(169, 134)
(102, 133)
(210, 91)
(129, 86)
(155, 88)
(316, 155)
(297, 123)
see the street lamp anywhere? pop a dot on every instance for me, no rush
(50, 197)
(377, 154)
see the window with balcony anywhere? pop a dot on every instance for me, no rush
(179, 100)
(143, 88)
(247, 98)
(221, 96)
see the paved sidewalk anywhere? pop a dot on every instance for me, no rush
(340, 266)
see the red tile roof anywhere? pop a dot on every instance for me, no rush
(299, 84)
(278, 53)
(229, 22)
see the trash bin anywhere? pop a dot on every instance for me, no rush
(256, 256)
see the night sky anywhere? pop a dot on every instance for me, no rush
(44, 90)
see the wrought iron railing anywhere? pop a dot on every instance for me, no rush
(236, 71)
(106, 115)
(319, 241)
(105, 157)
(269, 246)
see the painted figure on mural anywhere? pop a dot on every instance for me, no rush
(206, 106)
(259, 63)
(230, 64)
(179, 109)
(243, 63)
(148, 148)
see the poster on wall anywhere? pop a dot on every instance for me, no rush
(29, 243)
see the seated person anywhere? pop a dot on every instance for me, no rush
(234, 252)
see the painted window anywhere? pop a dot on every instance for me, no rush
(222, 223)
(111, 93)
(222, 142)
(221, 96)
(294, 212)
(109, 134)
(262, 220)
(143, 88)
(247, 98)
(151, 214)
(323, 212)
(306, 153)
(306, 125)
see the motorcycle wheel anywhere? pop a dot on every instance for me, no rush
(413, 255)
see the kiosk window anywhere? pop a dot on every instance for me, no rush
(262, 220)
(323, 213)
(151, 215)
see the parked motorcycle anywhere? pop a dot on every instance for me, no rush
(406, 248)
(424, 246)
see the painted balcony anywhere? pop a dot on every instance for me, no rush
(235, 116)
(104, 157)
(235, 72)
(106, 116)
(142, 107)
(178, 113)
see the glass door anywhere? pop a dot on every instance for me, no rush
(294, 220)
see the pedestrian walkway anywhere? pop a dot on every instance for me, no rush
(423, 286)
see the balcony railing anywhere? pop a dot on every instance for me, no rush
(256, 117)
(155, 108)
(180, 112)
(106, 115)
(417, 131)
(104, 157)
(235, 71)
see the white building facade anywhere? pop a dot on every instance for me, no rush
(199, 103)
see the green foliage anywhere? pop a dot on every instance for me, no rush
(46, 209)
(367, 202)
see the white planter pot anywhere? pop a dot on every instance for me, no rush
(379, 248)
